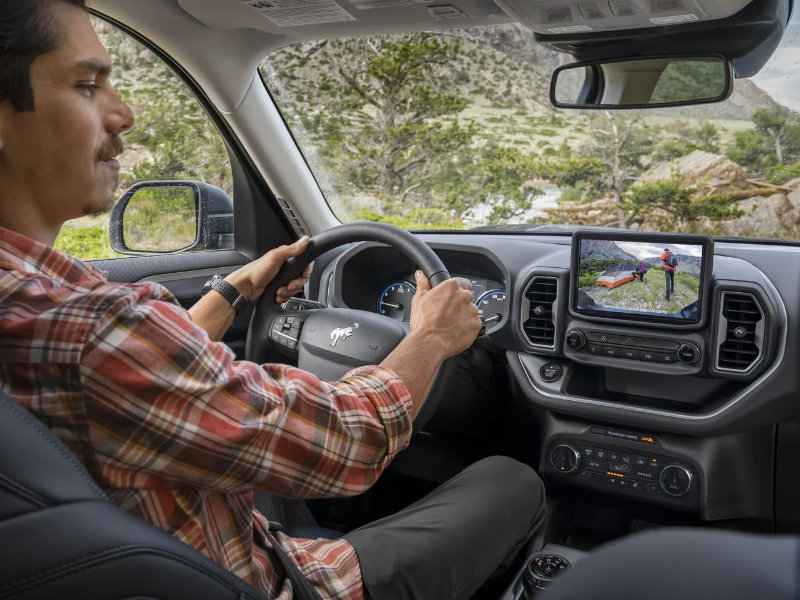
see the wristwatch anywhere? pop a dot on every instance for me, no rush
(230, 293)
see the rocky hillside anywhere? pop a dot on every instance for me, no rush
(605, 249)
(767, 210)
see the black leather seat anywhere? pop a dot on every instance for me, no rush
(61, 538)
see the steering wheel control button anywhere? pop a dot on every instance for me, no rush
(285, 331)
(676, 480)
(576, 339)
(689, 353)
(550, 372)
(565, 458)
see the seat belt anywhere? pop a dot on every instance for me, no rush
(302, 588)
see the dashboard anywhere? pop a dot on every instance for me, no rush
(676, 408)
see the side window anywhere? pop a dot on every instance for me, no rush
(173, 140)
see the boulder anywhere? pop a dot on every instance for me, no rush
(709, 173)
(777, 215)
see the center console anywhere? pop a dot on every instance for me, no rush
(541, 569)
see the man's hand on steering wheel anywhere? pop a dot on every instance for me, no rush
(252, 279)
(445, 317)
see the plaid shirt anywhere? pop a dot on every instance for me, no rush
(175, 429)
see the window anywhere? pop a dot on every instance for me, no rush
(454, 130)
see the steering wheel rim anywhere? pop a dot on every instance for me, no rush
(267, 309)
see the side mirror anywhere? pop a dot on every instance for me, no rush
(157, 217)
(642, 82)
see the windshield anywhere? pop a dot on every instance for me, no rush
(454, 130)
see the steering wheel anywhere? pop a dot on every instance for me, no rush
(328, 342)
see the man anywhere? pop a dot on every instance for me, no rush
(171, 426)
(670, 264)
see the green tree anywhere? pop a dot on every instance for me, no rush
(671, 207)
(681, 138)
(773, 141)
(392, 96)
(619, 142)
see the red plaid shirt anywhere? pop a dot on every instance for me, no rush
(175, 429)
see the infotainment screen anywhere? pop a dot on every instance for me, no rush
(652, 277)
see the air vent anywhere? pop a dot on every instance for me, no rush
(741, 332)
(539, 324)
(295, 220)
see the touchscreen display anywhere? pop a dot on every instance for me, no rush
(643, 279)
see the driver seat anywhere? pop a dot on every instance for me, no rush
(61, 538)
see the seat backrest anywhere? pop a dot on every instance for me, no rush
(61, 538)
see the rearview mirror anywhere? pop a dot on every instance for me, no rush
(156, 217)
(647, 82)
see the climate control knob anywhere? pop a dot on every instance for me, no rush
(676, 480)
(576, 339)
(565, 458)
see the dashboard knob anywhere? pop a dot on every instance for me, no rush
(688, 353)
(576, 339)
(676, 480)
(565, 458)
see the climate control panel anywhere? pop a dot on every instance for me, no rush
(646, 475)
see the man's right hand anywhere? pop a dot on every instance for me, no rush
(445, 316)
(444, 322)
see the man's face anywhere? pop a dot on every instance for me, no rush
(61, 155)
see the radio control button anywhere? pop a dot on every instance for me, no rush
(670, 357)
(629, 354)
(648, 356)
(576, 339)
(611, 351)
(688, 353)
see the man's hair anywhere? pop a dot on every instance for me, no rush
(26, 32)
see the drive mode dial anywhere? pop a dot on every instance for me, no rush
(565, 458)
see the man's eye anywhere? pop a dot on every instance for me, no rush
(88, 88)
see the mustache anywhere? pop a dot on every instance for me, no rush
(112, 147)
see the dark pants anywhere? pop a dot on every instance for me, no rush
(669, 279)
(448, 544)
(685, 564)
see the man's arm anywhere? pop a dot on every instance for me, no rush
(215, 314)
(444, 322)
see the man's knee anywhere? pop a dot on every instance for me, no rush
(514, 486)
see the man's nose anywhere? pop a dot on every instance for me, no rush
(121, 117)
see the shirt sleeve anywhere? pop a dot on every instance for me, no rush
(167, 407)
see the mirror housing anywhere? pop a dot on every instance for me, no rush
(162, 217)
(642, 82)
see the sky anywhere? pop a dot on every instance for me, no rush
(645, 250)
(781, 75)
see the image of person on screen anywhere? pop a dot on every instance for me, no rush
(670, 264)
(640, 272)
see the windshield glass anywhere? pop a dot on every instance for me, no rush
(454, 130)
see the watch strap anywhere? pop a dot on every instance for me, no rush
(228, 291)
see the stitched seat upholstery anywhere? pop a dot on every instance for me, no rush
(61, 538)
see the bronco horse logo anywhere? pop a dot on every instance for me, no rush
(340, 333)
